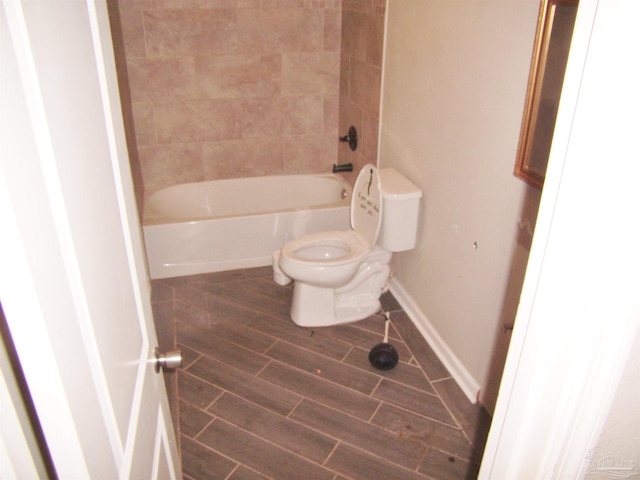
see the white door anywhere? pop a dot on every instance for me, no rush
(73, 283)
(579, 310)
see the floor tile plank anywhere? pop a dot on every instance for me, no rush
(207, 342)
(244, 473)
(322, 391)
(303, 337)
(201, 463)
(426, 357)
(248, 298)
(324, 367)
(256, 390)
(359, 465)
(192, 419)
(441, 466)
(414, 400)
(361, 434)
(274, 428)
(422, 429)
(267, 287)
(196, 391)
(259, 455)
(473, 418)
(188, 355)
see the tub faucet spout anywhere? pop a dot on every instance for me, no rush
(346, 167)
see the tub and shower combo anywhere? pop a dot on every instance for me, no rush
(237, 223)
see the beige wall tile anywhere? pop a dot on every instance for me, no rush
(375, 40)
(366, 6)
(248, 3)
(360, 79)
(179, 32)
(252, 157)
(169, 165)
(198, 120)
(354, 34)
(344, 74)
(278, 116)
(132, 29)
(369, 140)
(279, 30)
(364, 86)
(310, 73)
(145, 127)
(310, 154)
(331, 110)
(167, 79)
(262, 116)
(303, 115)
(350, 114)
(282, 3)
(360, 70)
(212, 3)
(332, 30)
(236, 76)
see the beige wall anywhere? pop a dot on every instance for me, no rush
(455, 81)
(232, 88)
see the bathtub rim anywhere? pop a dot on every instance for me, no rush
(152, 219)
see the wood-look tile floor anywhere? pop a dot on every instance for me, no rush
(260, 397)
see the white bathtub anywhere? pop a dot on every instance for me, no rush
(229, 224)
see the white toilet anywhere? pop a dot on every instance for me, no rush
(339, 276)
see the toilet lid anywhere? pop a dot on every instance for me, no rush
(366, 204)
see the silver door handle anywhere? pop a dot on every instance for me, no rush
(168, 361)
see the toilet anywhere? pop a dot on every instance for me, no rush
(339, 275)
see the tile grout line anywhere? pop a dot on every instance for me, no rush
(374, 413)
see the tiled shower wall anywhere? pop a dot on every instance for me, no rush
(237, 88)
(360, 78)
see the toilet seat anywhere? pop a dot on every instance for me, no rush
(324, 259)
(366, 204)
(326, 248)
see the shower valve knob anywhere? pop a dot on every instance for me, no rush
(351, 138)
(168, 361)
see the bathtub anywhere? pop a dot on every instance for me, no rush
(229, 224)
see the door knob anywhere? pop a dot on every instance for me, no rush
(168, 361)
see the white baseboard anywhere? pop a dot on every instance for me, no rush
(457, 370)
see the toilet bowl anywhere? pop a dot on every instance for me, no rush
(324, 259)
(339, 275)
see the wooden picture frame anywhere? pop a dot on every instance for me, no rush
(551, 49)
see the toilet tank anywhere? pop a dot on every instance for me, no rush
(401, 201)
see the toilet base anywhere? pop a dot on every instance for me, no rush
(313, 306)
(318, 307)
